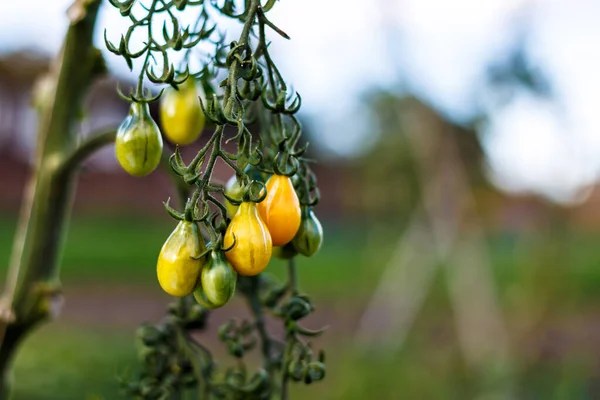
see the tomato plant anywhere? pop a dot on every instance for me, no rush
(264, 209)
(222, 243)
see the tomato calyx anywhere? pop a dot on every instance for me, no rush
(279, 105)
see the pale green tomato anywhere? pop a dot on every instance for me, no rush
(218, 279)
(181, 116)
(138, 145)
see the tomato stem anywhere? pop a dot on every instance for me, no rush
(88, 147)
(251, 294)
(292, 276)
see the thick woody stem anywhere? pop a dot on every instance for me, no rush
(32, 292)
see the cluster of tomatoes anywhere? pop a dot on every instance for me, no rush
(278, 225)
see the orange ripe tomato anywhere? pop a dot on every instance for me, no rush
(253, 247)
(280, 210)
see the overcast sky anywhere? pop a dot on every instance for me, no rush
(439, 49)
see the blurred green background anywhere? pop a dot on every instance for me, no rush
(550, 306)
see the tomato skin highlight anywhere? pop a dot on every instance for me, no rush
(233, 190)
(253, 245)
(138, 145)
(218, 279)
(309, 238)
(181, 116)
(201, 299)
(176, 270)
(280, 210)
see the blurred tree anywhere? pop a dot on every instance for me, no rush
(388, 173)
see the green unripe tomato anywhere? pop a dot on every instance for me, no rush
(309, 238)
(138, 146)
(201, 299)
(234, 191)
(218, 279)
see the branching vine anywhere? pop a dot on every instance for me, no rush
(245, 90)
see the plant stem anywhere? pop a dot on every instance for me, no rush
(232, 79)
(86, 149)
(257, 309)
(182, 190)
(293, 276)
(289, 342)
(32, 292)
(290, 334)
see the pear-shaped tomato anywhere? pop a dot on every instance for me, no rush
(251, 241)
(178, 272)
(181, 117)
(309, 238)
(218, 279)
(280, 210)
(138, 145)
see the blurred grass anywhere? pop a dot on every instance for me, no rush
(60, 362)
(556, 273)
(71, 362)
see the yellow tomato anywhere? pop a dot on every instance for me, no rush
(233, 190)
(138, 145)
(177, 271)
(252, 250)
(181, 117)
(281, 209)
